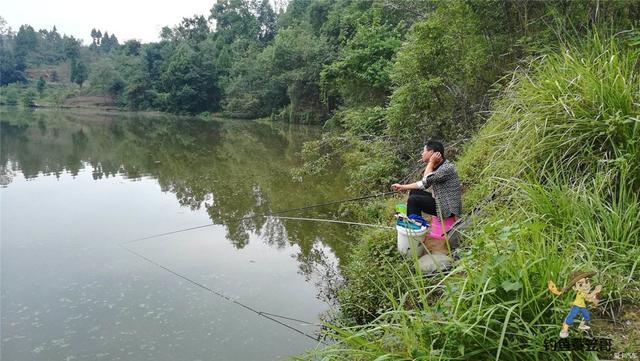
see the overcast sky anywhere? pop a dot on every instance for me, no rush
(127, 19)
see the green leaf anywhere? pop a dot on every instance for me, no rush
(511, 286)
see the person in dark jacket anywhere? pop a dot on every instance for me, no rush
(445, 198)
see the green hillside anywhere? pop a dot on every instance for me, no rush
(560, 148)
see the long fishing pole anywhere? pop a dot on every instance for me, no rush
(262, 215)
(329, 221)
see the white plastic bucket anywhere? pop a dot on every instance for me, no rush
(410, 239)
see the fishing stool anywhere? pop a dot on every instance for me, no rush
(437, 230)
(437, 256)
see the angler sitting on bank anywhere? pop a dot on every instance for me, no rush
(444, 202)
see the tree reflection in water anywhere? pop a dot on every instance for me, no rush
(233, 169)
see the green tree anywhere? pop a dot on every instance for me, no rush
(139, 94)
(9, 71)
(267, 22)
(106, 79)
(296, 57)
(235, 19)
(155, 57)
(140, 90)
(10, 96)
(94, 41)
(52, 47)
(189, 82)
(318, 15)
(252, 89)
(26, 41)
(295, 13)
(192, 30)
(437, 75)
(71, 48)
(108, 43)
(104, 42)
(114, 42)
(166, 34)
(40, 85)
(79, 72)
(361, 74)
(131, 48)
(5, 30)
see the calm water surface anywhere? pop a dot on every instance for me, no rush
(77, 185)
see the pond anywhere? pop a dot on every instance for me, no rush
(81, 188)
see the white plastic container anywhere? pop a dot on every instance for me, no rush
(410, 240)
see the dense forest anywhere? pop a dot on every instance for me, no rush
(398, 69)
(408, 62)
(537, 99)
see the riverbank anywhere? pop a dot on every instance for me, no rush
(92, 106)
(559, 146)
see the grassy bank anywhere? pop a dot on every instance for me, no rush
(562, 148)
(27, 95)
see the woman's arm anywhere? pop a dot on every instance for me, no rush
(404, 187)
(435, 160)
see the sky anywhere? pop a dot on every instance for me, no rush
(127, 19)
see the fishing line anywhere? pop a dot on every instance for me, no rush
(289, 318)
(266, 315)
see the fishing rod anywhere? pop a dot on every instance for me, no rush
(271, 316)
(329, 221)
(262, 215)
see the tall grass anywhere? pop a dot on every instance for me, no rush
(563, 143)
(495, 305)
(575, 111)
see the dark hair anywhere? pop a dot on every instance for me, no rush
(435, 146)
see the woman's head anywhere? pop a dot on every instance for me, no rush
(431, 147)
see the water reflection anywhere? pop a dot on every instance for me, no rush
(77, 183)
(233, 169)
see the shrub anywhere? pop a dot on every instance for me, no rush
(9, 95)
(372, 165)
(29, 98)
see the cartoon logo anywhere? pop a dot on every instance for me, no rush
(579, 282)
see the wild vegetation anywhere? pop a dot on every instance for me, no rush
(561, 147)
